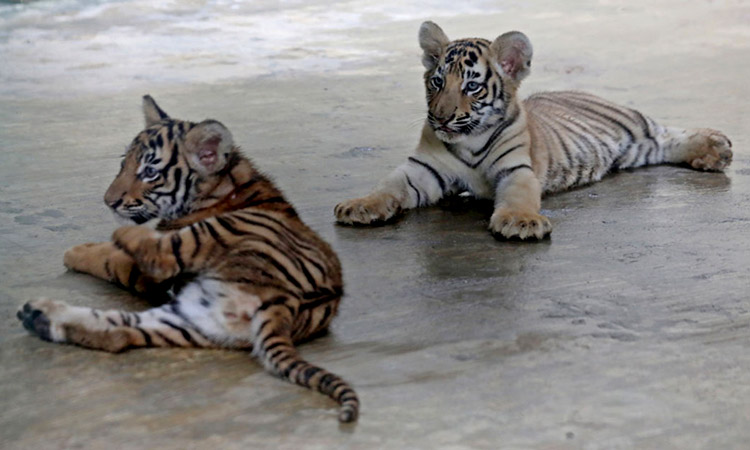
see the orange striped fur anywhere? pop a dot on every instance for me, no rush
(241, 267)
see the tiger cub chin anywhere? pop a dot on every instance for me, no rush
(244, 271)
(479, 137)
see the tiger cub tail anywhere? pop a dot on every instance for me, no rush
(277, 352)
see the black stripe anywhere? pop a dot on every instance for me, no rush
(166, 339)
(344, 392)
(254, 179)
(162, 114)
(579, 173)
(434, 172)
(257, 224)
(280, 267)
(286, 372)
(286, 356)
(564, 145)
(310, 279)
(260, 329)
(337, 383)
(228, 226)
(182, 331)
(499, 176)
(274, 345)
(309, 373)
(274, 354)
(176, 248)
(326, 314)
(146, 337)
(172, 159)
(197, 239)
(508, 139)
(214, 234)
(419, 197)
(491, 141)
(263, 340)
(317, 302)
(505, 153)
(280, 300)
(325, 380)
(188, 185)
(173, 193)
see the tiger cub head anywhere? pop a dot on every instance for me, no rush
(168, 165)
(471, 83)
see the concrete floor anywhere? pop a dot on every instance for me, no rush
(630, 328)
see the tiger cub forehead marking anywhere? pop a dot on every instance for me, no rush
(466, 56)
(160, 136)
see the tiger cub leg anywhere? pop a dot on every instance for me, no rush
(701, 148)
(517, 204)
(271, 321)
(107, 262)
(111, 330)
(418, 182)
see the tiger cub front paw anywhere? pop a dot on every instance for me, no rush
(87, 257)
(366, 210)
(518, 225)
(42, 318)
(129, 238)
(144, 245)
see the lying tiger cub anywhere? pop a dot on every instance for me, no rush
(245, 271)
(479, 137)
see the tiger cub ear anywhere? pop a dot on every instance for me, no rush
(152, 112)
(207, 146)
(513, 51)
(433, 41)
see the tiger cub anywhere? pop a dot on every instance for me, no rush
(244, 270)
(479, 137)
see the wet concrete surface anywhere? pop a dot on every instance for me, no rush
(630, 328)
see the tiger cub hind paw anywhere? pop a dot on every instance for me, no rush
(372, 209)
(521, 226)
(38, 317)
(714, 151)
